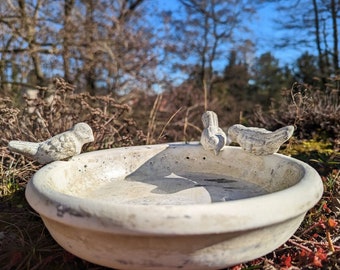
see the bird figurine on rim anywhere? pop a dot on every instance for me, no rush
(59, 147)
(213, 137)
(259, 141)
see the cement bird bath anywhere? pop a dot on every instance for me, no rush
(173, 206)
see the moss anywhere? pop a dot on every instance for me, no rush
(309, 147)
(320, 154)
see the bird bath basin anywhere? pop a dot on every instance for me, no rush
(173, 206)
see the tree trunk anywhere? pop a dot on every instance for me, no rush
(318, 42)
(335, 38)
(68, 6)
(29, 24)
(90, 77)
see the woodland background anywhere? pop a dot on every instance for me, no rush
(141, 73)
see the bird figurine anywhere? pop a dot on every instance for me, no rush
(59, 147)
(212, 138)
(259, 141)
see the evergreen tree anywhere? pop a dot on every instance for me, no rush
(236, 77)
(307, 68)
(269, 78)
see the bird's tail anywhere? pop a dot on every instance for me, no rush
(25, 148)
(221, 143)
(281, 135)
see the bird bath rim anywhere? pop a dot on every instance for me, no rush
(218, 217)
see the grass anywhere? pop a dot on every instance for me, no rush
(26, 244)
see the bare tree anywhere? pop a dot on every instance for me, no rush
(24, 37)
(101, 46)
(112, 50)
(312, 24)
(206, 35)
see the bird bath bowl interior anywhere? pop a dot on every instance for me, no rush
(173, 206)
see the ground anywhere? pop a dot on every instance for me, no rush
(26, 244)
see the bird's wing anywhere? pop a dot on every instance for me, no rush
(60, 147)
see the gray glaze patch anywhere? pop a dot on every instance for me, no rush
(62, 210)
(219, 187)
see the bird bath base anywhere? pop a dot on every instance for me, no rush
(173, 206)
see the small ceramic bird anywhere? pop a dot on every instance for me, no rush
(213, 137)
(59, 147)
(259, 141)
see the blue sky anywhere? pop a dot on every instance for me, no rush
(264, 31)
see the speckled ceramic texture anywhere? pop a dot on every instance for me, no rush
(173, 206)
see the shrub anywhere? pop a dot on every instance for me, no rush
(314, 113)
(40, 118)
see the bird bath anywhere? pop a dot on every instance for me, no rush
(173, 206)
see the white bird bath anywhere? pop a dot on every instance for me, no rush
(173, 206)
